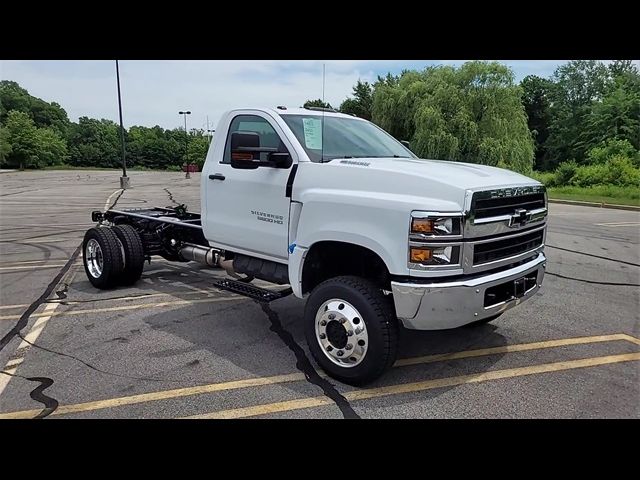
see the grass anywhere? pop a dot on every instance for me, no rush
(608, 194)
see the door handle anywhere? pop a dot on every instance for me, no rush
(216, 176)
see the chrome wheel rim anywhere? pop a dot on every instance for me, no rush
(93, 258)
(341, 333)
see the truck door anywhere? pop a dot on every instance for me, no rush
(247, 210)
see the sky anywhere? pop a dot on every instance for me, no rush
(154, 91)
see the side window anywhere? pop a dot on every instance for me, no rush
(253, 123)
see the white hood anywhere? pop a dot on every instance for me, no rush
(455, 174)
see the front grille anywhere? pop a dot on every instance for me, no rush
(490, 251)
(493, 207)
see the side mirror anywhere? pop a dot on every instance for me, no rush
(246, 149)
(406, 143)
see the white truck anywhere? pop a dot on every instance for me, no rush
(349, 218)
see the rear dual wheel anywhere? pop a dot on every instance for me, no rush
(112, 256)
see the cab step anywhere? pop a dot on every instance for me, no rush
(251, 291)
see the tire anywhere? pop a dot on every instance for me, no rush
(133, 254)
(102, 257)
(484, 321)
(363, 305)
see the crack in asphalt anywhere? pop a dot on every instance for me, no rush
(594, 256)
(93, 367)
(116, 200)
(50, 403)
(171, 196)
(304, 365)
(595, 282)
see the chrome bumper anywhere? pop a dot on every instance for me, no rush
(440, 305)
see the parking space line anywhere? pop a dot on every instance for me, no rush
(618, 224)
(127, 307)
(33, 334)
(278, 379)
(35, 267)
(522, 347)
(419, 386)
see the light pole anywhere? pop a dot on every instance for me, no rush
(124, 180)
(186, 141)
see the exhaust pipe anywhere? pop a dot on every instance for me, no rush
(195, 253)
(207, 256)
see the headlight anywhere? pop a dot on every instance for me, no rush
(435, 255)
(435, 240)
(435, 226)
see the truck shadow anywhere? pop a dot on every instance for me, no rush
(226, 337)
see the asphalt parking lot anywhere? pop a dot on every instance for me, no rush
(172, 346)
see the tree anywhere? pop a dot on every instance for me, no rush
(5, 146)
(536, 99)
(472, 113)
(361, 103)
(95, 143)
(578, 84)
(44, 114)
(29, 146)
(316, 103)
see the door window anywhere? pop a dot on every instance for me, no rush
(255, 124)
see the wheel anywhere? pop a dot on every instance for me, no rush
(102, 257)
(351, 329)
(133, 253)
(484, 321)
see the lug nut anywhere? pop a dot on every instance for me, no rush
(359, 330)
(332, 316)
(343, 320)
(329, 348)
(348, 347)
(349, 333)
(323, 322)
(340, 353)
(323, 336)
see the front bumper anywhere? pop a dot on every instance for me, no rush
(441, 305)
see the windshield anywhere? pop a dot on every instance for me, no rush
(343, 138)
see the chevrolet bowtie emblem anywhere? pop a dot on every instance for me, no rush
(520, 218)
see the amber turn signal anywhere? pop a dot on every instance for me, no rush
(419, 255)
(421, 225)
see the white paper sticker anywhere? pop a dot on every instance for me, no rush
(312, 133)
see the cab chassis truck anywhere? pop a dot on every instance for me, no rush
(340, 213)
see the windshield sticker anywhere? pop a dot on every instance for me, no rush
(312, 133)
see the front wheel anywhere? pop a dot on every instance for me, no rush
(351, 329)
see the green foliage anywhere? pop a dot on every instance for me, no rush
(361, 103)
(590, 103)
(471, 114)
(611, 147)
(316, 103)
(95, 143)
(44, 114)
(536, 99)
(5, 145)
(26, 146)
(599, 193)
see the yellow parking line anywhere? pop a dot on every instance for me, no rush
(253, 382)
(419, 386)
(128, 307)
(522, 347)
(162, 395)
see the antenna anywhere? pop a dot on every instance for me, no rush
(322, 118)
